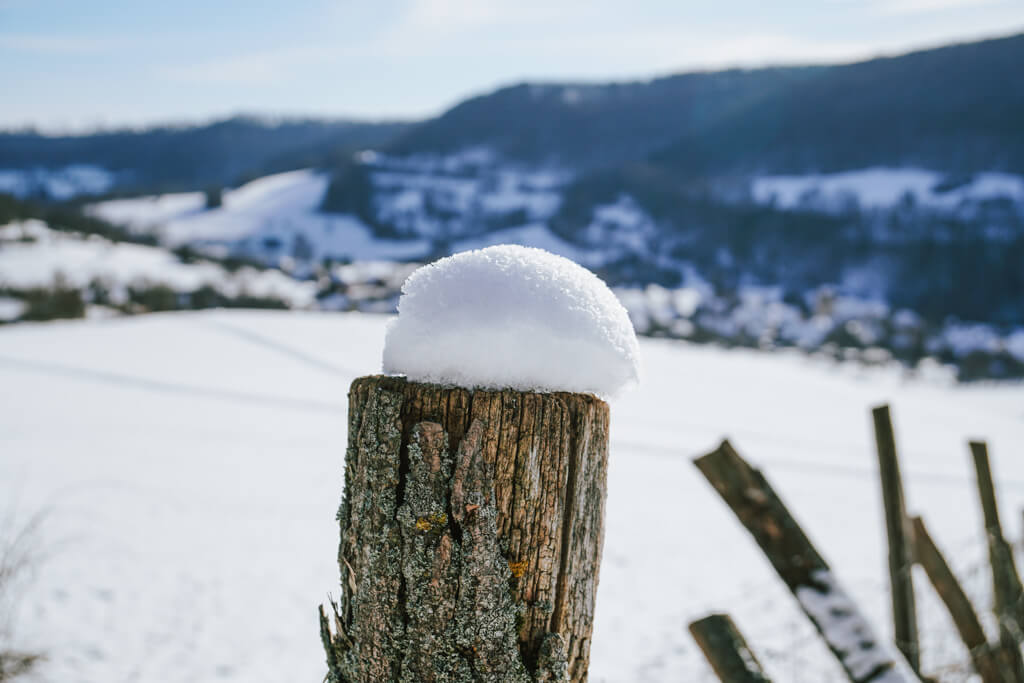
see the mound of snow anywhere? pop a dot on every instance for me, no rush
(512, 317)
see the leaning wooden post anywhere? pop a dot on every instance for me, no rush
(1009, 593)
(864, 657)
(901, 561)
(726, 650)
(988, 661)
(1006, 585)
(472, 517)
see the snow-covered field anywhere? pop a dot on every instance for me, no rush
(190, 466)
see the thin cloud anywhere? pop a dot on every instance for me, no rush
(927, 6)
(56, 45)
(428, 25)
(261, 68)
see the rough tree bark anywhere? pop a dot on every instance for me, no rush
(471, 535)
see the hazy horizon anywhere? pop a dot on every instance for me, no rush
(77, 69)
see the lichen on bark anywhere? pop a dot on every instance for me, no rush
(471, 533)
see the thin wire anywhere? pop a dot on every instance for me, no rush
(161, 386)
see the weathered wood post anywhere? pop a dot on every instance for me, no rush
(472, 518)
(471, 533)
(901, 559)
(863, 657)
(1006, 583)
(989, 662)
(726, 650)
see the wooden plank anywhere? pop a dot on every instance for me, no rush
(1006, 585)
(863, 656)
(987, 660)
(901, 561)
(726, 650)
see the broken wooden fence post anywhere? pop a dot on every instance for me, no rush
(1006, 585)
(989, 662)
(864, 657)
(726, 651)
(471, 534)
(901, 561)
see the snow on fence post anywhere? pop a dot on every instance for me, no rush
(989, 662)
(901, 559)
(1006, 585)
(473, 511)
(726, 650)
(862, 655)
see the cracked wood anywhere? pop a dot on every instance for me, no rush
(471, 534)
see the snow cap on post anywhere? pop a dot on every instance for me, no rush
(511, 317)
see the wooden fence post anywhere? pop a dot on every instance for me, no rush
(471, 535)
(864, 658)
(726, 651)
(1006, 584)
(988, 661)
(901, 561)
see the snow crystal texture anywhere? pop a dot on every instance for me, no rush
(512, 317)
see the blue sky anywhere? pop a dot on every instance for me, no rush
(69, 64)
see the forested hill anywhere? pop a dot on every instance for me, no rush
(192, 157)
(594, 125)
(958, 107)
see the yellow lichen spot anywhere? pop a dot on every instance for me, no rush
(518, 568)
(423, 524)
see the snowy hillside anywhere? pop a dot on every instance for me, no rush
(34, 256)
(56, 183)
(465, 200)
(273, 218)
(446, 204)
(778, 278)
(189, 466)
(887, 188)
(410, 208)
